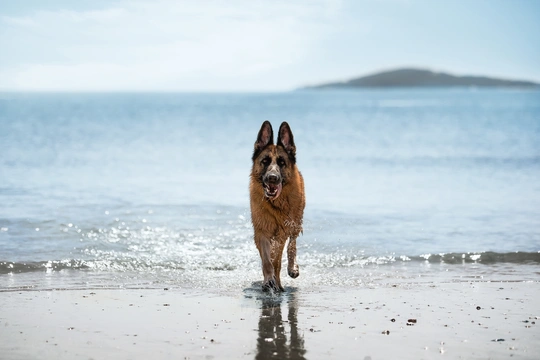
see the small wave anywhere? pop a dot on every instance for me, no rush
(95, 265)
(311, 259)
(8, 267)
(487, 257)
(351, 260)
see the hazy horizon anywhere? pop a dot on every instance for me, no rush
(246, 46)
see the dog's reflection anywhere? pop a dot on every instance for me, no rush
(279, 338)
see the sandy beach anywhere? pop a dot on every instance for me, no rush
(455, 320)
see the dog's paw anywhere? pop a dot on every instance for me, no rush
(271, 285)
(294, 272)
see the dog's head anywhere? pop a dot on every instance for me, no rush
(273, 165)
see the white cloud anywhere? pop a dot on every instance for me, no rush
(162, 45)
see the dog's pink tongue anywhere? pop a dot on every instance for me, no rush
(277, 189)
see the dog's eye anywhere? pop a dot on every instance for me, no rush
(266, 161)
(281, 162)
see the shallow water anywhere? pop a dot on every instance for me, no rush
(151, 189)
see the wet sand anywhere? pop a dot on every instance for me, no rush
(455, 320)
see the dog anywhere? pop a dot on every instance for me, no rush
(277, 202)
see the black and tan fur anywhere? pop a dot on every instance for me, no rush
(277, 202)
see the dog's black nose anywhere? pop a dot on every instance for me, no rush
(273, 178)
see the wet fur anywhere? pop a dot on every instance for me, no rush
(276, 219)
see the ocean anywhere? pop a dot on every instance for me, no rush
(137, 190)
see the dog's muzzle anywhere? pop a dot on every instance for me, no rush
(272, 184)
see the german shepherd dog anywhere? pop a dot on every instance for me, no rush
(277, 202)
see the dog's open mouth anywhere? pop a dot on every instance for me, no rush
(272, 191)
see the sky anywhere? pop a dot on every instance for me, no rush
(257, 45)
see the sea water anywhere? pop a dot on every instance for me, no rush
(148, 189)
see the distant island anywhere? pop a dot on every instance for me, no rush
(422, 78)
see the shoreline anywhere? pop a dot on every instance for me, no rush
(473, 320)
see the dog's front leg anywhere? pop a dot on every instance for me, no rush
(292, 266)
(265, 250)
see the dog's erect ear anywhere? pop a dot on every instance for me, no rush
(286, 139)
(265, 137)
